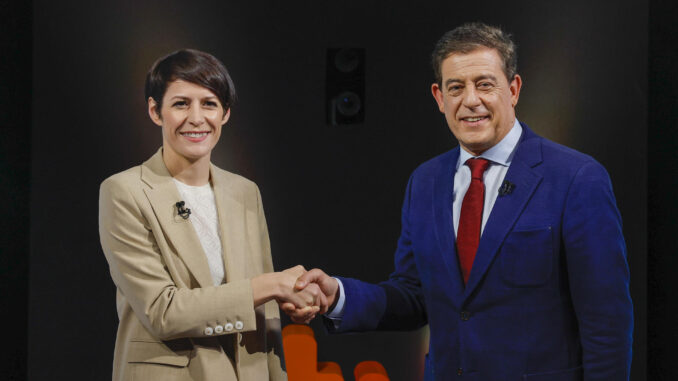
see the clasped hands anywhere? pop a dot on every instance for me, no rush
(319, 290)
(301, 294)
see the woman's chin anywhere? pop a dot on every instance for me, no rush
(193, 154)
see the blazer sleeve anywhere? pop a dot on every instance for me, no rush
(141, 274)
(274, 347)
(598, 274)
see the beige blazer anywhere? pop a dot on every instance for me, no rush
(174, 323)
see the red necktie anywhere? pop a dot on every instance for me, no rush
(470, 220)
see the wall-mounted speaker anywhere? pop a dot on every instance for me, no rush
(345, 86)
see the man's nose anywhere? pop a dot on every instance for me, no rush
(471, 98)
(195, 115)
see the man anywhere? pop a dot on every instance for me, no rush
(511, 246)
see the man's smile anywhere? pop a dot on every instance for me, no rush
(474, 121)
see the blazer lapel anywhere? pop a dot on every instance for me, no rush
(443, 186)
(233, 233)
(163, 195)
(507, 208)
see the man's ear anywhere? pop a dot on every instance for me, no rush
(154, 111)
(438, 96)
(515, 86)
(226, 116)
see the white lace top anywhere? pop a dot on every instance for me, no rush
(206, 224)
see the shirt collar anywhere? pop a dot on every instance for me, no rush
(502, 152)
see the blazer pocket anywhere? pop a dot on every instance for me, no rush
(157, 353)
(526, 257)
(572, 374)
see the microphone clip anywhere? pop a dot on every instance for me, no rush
(183, 212)
(506, 188)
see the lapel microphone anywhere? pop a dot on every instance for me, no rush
(506, 188)
(183, 212)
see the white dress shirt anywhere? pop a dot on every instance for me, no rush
(500, 156)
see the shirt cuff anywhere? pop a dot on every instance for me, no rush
(338, 311)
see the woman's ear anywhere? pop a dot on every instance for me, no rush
(227, 115)
(154, 111)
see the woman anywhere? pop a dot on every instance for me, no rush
(187, 244)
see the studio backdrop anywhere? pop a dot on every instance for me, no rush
(332, 188)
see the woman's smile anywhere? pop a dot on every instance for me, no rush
(195, 136)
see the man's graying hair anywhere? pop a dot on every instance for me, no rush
(471, 36)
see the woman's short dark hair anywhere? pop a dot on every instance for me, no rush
(471, 36)
(191, 66)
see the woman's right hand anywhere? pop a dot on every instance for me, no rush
(280, 286)
(308, 297)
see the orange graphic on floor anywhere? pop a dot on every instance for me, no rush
(301, 358)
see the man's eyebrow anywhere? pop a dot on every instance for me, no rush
(476, 79)
(187, 97)
(452, 80)
(486, 76)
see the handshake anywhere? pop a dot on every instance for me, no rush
(301, 294)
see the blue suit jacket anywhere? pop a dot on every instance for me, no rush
(547, 297)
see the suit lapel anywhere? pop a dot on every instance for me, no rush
(443, 186)
(232, 213)
(508, 208)
(163, 195)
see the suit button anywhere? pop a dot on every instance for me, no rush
(209, 331)
(228, 327)
(465, 315)
(239, 325)
(219, 329)
(460, 372)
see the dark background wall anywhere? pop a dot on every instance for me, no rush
(15, 165)
(332, 195)
(662, 330)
